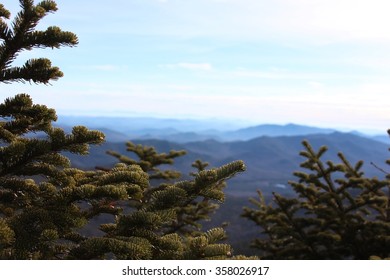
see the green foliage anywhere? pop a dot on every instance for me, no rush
(21, 35)
(144, 215)
(197, 199)
(33, 173)
(167, 215)
(36, 207)
(45, 203)
(149, 160)
(338, 213)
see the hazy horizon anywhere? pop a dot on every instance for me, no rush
(210, 123)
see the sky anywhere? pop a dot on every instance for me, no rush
(315, 62)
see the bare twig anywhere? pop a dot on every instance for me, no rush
(380, 169)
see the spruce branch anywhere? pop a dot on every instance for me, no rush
(21, 35)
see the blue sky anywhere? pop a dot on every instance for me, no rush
(315, 62)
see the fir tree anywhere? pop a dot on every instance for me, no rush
(338, 213)
(44, 202)
(184, 203)
(196, 209)
(139, 230)
(36, 217)
(149, 160)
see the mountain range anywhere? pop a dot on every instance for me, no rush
(121, 129)
(270, 152)
(270, 161)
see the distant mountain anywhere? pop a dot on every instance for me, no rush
(183, 131)
(233, 135)
(114, 136)
(270, 161)
(274, 130)
(130, 125)
(181, 137)
(382, 138)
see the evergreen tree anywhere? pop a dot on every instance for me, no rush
(338, 213)
(188, 201)
(36, 209)
(139, 230)
(44, 202)
(36, 216)
(195, 209)
(149, 160)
